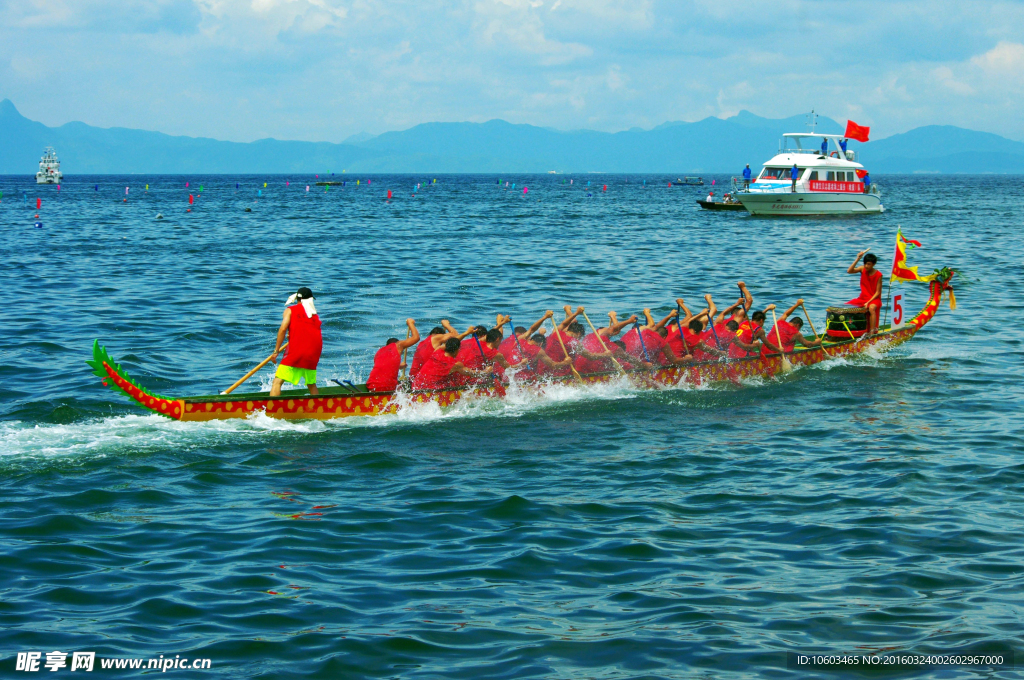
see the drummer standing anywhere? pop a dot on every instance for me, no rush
(305, 343)
(870, 288)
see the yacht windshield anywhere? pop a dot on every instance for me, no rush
(779, 173)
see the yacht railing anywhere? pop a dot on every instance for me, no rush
(739, 185)
(851, 155)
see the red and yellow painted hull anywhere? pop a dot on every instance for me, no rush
(339, 402)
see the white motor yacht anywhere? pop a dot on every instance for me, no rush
(829, 180)
(49, 168)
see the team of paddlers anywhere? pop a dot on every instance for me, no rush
(447, 358)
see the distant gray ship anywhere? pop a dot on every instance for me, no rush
(49, 168)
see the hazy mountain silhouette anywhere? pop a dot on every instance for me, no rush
(705, 146)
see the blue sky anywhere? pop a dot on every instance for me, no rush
(326, 69)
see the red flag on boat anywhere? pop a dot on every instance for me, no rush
(861, 173)
(858, 132)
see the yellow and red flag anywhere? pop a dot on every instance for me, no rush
(900, 270)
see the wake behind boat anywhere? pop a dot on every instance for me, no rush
(357, 400)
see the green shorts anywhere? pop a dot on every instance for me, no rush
(293, 375)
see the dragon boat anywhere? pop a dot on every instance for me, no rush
(356, 400)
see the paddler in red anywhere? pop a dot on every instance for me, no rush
(695, 341)
(567, 333)
(870, 288)
(434, 342)
(305, 343)
(388, 361)
(735, 312)
(481, 351)
(424, 350)
(539, 362)
(509, 347)
(750, 337)
(789, 332)
(440, 370)
(598, 349)
(653, 342)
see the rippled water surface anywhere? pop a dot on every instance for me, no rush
(854, 506)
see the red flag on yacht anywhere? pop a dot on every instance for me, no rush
(858, 132)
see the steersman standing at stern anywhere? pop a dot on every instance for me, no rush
(305, 343)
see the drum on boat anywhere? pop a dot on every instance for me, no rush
(855, 319)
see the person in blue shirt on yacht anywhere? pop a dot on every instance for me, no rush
(746, 177)
(794, 173)
(824, 146)
(867, 182)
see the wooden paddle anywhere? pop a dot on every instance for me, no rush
(601, 339)
(565, 351)
(252, 372)
(405, 353)
(814, 330)
(787, 367)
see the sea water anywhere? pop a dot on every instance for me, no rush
(864, 504)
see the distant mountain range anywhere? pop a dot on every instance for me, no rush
(706, 146)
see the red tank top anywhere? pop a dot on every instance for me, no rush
(531, 369)
(674, 341)
(384, 376)
(554, 348)
(746, 334)
(652, 342)
(787, 332)
(422, 353)
(435, 372)
(473, 355)
(592, 344)
(304, 340)
(708, 338)
(509, 348)
(868, 287)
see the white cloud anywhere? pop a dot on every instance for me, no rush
(1004, 58)
(324, 69)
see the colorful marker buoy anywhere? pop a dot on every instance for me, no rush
(525, 189)
(389, 193)
(191, 198)
(39, 203)
(307, 188)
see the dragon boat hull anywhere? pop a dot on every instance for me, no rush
(341, 402)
